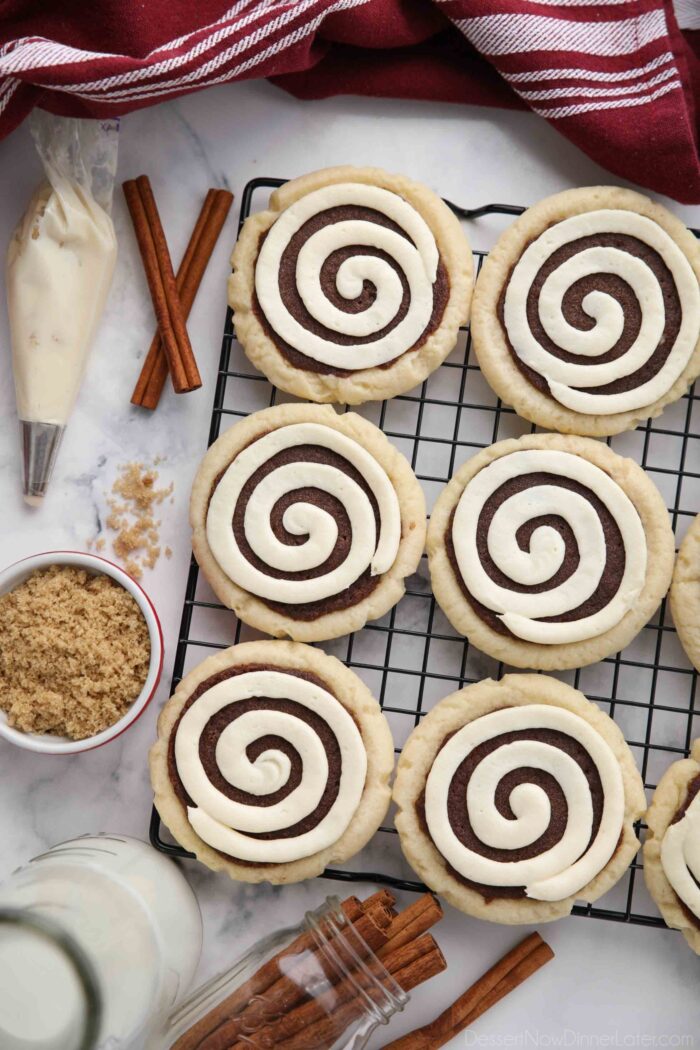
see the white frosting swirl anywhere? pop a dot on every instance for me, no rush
(367, 549)
(569, 865)
(416, 257)
(563, 377)
(523, 612)
(680, 856)
(222, 822)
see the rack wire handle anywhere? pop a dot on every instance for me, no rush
(485, 209)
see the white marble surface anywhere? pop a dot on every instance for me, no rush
(611, 985)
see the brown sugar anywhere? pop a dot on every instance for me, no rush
(74, 652)
(132, 505)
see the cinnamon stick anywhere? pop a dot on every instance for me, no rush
(411, 922)
(533, 962)
(205, 234)
(427, 965)
(161, 282)
(508, 973)
(384, 899)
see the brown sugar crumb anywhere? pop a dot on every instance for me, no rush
(132, 504)
(74, 652)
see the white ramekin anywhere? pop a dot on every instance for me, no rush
(48, 743)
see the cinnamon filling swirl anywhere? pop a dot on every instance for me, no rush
(524, 802)
(546, 547)
(349, 277)
(256, 771)
(305, 519)
(601, 312)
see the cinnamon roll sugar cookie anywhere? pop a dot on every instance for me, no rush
(305, 522)
(672, 847)
(685, 593)
(550, 551)
(586, 314)
(272, 761)
(517, 798)
(352, 286)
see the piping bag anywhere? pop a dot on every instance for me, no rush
(60, 263)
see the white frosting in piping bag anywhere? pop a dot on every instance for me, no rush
(522, 613)
(367, 550)
(564, 869)
(222, 822)
(59, 268)
(417, 259)
(563, 376)
(680, 856)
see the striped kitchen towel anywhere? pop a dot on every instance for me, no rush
(620, 78)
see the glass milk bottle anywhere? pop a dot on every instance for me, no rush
(99, 939)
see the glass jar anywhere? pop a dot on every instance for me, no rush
(103, 936)
(314, 986)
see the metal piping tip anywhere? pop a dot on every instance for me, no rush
(40, 445)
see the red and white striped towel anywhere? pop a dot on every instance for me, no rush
(619, 78)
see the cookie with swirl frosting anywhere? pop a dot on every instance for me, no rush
(685, 593)
(550, 551)
(586, 314)
(272, 761)
(352, 286)
(672, 847)
(517, 798)
(305, 522)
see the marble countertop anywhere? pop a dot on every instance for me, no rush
(611, 985)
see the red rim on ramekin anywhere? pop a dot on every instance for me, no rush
(46, 743)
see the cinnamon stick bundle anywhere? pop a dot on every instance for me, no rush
(275, 1002)
(161, 282)
(378, 910)
(409, 969)
(288, 994)
(314, 1020)
(205, 234)
(257, 986)
(508, 973)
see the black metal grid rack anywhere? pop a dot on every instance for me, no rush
(412, 656)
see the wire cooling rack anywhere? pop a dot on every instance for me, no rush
(412, 657)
